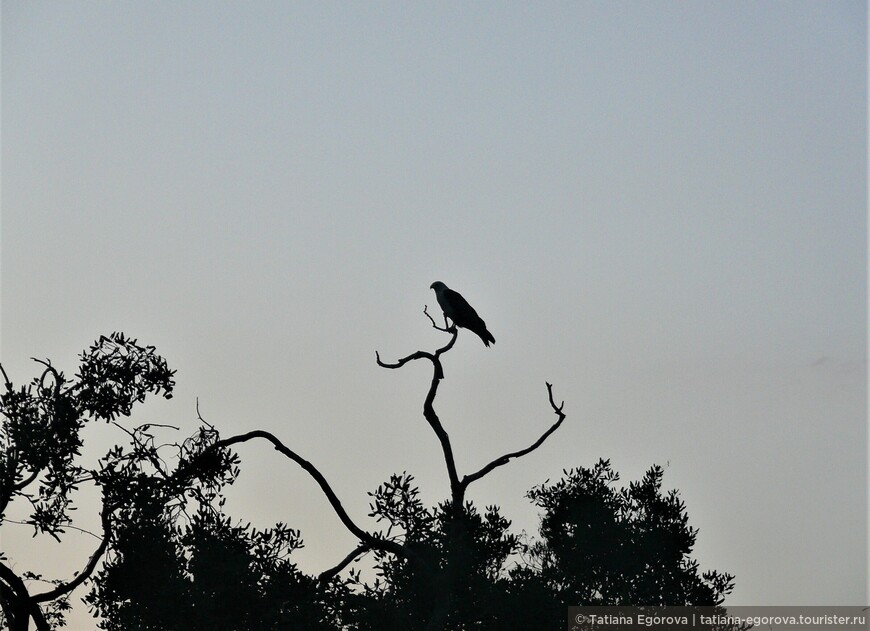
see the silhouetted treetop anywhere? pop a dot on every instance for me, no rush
(603, 545)
(173, 559)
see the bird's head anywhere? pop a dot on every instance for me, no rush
(438, 286)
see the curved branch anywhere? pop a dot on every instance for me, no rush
(58, 377)
(435, 423)
(25, 482)
(503, 460)
(310, 468)
(371, 541)
(401, 362)
(454, 334)
(14, 582)
(445, 328)
(65, 588)
(328, 574)
(25, 605)
(428, 408)
(434, 358)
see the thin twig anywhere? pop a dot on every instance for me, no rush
(159, 465)
(65, 588)
(199, 416)
(445, 328)
(150, 425)
(67, 527)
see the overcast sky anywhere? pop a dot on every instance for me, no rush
(659, 207)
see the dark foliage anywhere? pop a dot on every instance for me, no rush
(599, 545)
(116, 373)
(463, 547)
(40, 433)
(40, 442)
(168, 570)
(173, 560)
(212, 575)
(630, 546)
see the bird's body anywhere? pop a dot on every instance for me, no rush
(460, 312)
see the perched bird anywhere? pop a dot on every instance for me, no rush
(460, 312)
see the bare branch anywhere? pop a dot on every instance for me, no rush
(199, 416)
(434, 358)
(503, 460)
(428, 407)
(365, 537)
(356, 552)
(435, 423)
(401, 362)
(65, 588)
(454, 333)
(445, 328)
(66, 527)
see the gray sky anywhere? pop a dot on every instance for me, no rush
(659, 207)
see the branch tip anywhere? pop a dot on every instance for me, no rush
(503, 460)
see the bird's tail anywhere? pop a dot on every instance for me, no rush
(487, 337)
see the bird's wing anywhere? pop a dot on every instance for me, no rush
(464, 313)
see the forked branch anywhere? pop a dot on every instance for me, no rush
(445, 328)
(458, 486)
(435, 357)
(503, 460)
(428, 407)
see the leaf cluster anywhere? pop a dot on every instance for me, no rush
(116, 372)
(40, 433)
(203, 572)
(603, 545)
(40, 444)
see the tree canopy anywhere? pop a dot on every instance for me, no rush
(40, 444)
(170, 557)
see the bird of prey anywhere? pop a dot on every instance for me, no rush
(460, 312)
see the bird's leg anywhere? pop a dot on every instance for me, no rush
(449, 324)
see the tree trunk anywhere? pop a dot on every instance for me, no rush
(17, 615)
